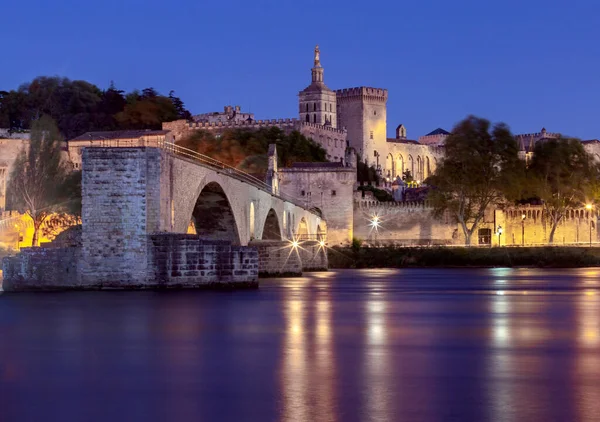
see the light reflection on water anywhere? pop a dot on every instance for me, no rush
(497, 344)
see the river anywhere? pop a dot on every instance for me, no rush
(353, 345)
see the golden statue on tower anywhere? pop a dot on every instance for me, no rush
(317, 59)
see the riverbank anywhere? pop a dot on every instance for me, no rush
(401, 257)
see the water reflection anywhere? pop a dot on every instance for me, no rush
(589, 319)
(296, 405)
(468, 345)
(377, 360)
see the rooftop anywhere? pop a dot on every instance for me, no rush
(438, 131)
(403, 141)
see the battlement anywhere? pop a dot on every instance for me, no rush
(322, 127)
(537, 135)
(375, 205)
(243, 124)
(536, 212)
(362, 92)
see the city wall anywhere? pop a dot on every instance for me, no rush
(412, 223)
(331, 139)
(329, 189)
(401, 223)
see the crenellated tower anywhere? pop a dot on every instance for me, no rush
(363, 112)
(317, 103)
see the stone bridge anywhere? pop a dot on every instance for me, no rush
(134, 198)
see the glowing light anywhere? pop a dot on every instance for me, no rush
(375, 221)
(588, 206)
(322, 243)
(500, 293)
(295, 244)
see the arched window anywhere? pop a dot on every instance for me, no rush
(307, 107)
(314, 106)
(307, 118)
(314, 118)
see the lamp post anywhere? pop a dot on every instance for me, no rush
(589, 208)
(18, 237)
(499, 231)
(523, 229)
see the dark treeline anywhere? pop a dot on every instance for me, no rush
(79, 106)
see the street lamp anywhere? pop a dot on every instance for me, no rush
(19, 238)
(523, 216)
(589, 208)
(499, 231)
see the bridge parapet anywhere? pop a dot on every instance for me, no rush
(230, 171)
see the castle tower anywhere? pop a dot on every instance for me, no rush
(363, 112)
(317, 102)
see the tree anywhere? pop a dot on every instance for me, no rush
(472, 175)
(247, 150)
(182, 113)
(79, 106)
(39, 184)
(365, 173)
(563, 176)
(407, 176)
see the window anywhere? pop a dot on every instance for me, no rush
(333, 193)
(371, 135)
(374, 112)
(485, 236)
(303, 193)
(314, 106)
(307, 118)
(314, 118)
(307, 107)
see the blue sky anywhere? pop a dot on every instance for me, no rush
(529, 63)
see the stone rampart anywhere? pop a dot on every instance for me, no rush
(173, 261)
(579, 226)
(402, 223)
(182, 128)
(42, 269)
(181, 260)
(277, 258)
(313, 256)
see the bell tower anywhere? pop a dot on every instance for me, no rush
(318, 103)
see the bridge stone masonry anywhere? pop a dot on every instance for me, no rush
(165, 217)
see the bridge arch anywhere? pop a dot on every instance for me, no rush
(302, 232)
(212, 215)
(320, 233)
(271, 230)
